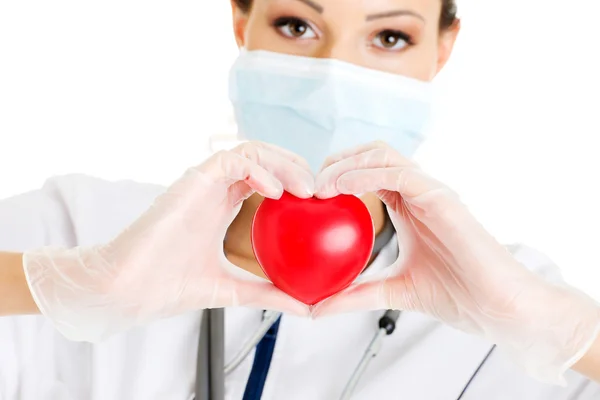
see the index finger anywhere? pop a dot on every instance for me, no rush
(250, 149)
(326, 184)
(354, 151)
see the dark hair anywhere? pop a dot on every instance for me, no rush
(447, 17)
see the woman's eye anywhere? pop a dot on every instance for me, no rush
(295, 28)
(391, 40)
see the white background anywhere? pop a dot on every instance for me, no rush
(134, 89)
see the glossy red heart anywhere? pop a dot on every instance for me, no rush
(312, 248)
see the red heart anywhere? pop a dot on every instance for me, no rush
(312, 248)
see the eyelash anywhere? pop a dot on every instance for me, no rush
(281, 23)
(399, 35)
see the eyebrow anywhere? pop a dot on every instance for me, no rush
(317, 7)
(394, 13)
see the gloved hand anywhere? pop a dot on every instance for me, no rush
(170, 260)
(452, 269)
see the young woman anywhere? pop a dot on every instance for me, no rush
(333, 96)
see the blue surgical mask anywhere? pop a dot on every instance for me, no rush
(318, 107)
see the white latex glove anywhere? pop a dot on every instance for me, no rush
(171, 259)
(453, 270)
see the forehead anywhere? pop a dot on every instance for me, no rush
(429, 9)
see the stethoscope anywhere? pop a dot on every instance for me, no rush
(212, 369)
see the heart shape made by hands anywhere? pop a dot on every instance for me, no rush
(312, 248)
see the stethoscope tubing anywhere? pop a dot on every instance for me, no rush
(386, 326)
(269, 318)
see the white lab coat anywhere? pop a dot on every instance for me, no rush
(422, 360)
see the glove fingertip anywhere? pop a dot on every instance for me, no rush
(274, 299)
(328, 308)
(273, 190)
(303, 190)
(292, 307)
(365, 296)
(325, 191)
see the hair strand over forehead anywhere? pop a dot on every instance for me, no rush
(447, 16)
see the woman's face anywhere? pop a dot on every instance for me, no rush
(398, 36)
